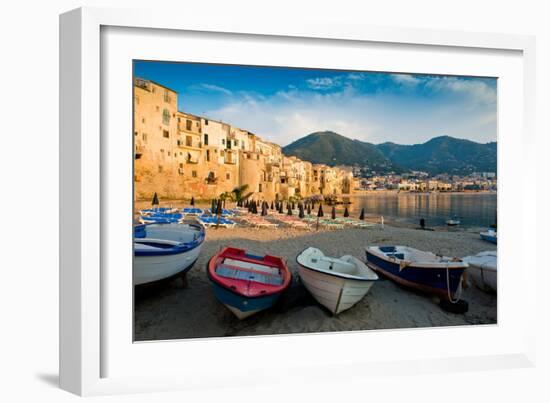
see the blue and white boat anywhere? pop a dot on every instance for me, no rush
(162, 251)
(490, 236)
(423, 271)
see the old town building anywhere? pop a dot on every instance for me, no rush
(179, 155)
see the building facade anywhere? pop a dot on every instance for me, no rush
(179, 155)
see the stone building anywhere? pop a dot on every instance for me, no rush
(179, 155)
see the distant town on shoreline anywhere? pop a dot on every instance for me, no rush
(180, 155)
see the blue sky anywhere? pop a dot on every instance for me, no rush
(284, 104)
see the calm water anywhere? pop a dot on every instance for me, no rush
(475, 210)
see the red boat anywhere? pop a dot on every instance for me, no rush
(247, 283)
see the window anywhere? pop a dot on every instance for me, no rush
(166, 116)
(181, 165)
(142, 120)
(205, 139)
(166, 96)
(207, 155)
(188, 124)
(188, 141)
(229, 144)
(166, 134)
(206, 122)
(222, 153)
(223, 141)
(168, 153)
(228, 176)
(236, 143)
(135, 133)
(160, 169)
(194, 174)
(144, 136)
(260, 188)
(158, 108)
(137, 100)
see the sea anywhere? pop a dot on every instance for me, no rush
(474, 210)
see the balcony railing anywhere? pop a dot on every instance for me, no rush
(192, 144)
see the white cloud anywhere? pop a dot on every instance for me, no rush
(214, 88)
(323, 83)
(406, 79)
(452, 105)
(477, 90)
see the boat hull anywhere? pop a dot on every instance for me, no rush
(482, 270)
(432, 280)
(242, 306)
(149, 269)
(488, 237)
(335, 293)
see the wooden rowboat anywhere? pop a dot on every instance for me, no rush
(336, 283)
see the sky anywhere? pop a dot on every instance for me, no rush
(284, 104)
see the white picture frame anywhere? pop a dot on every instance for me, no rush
(93, 350)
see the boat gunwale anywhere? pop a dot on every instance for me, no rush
(334, 273)
(175, 249)
(457, 265)
(211, 272)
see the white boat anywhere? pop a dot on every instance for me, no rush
(165, 250)
(483, 270)
(453, 221)
(336, 283)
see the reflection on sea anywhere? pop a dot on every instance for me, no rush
(472, 209)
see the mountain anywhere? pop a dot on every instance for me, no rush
(334, 149)
(442, 154)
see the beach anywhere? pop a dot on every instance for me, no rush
(175, 310)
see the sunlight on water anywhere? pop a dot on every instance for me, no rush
(474, 210)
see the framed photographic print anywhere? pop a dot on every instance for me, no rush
(288, 196)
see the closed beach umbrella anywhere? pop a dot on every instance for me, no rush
(281, 208)
(301, 213)
(192, 201)
(333, 213)
(362, 215)
(308, 209)
(218, 212)
(346, 212)
(246, 203)
(319, 214)
(289, 212)
(293, 205)
(272, 206)
(255, 207)
(155, 200)
(213, 206)
(264, 209)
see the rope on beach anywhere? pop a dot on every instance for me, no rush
(451, 300)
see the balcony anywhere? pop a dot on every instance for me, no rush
(192, 145)
(230, 159)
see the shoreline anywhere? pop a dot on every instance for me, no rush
(169, 311)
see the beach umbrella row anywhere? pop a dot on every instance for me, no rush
(217, 205)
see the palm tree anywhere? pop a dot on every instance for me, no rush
(239, 193)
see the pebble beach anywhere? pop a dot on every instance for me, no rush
(183, 310)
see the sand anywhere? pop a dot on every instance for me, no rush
(174, 311)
